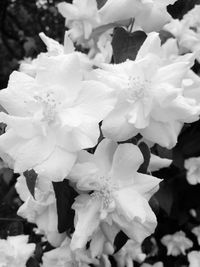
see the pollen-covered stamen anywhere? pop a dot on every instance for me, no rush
(49, 106)
(104, 193)
(136, 89)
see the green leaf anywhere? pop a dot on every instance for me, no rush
(126, 45)
(31, 177)
(65, 196)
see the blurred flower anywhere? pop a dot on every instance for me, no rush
(52, 116)
(196, 231)
(177, 243)
(129, 252)
(81, 17)
(192, 165)
(194, 258)
(111, 173)
(15, 251)
(150, 96)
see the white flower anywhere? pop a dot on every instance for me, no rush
(194, 258)
(150, 96)
(157, 264)
(129, 252)
(42, 210)
(192, 165)
(15, 251)
(196, 231)
(120, 194)
(177, 243)
(81, 17)
(52, 116)
(150, 15)
(187, 31)
(64, 257)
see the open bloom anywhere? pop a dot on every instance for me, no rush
(120, 194)
(81, 17)
(150, 15)
(52, 116)
(177, 243)
(15, 251)
(150, 96)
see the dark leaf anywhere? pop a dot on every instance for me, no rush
(65, 195)
(120, 240)
(16, 228)
(126, 45)
(164, 196)
(32, 262)
(146, 154)
(31, 177)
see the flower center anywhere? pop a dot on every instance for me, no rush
(104, 193)
(136, 89)
(49, 106)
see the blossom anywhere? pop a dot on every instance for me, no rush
(196, 231)
(42, 210)
(129, 252)
(192, 165)
(150, 96)
(15, 251)
(64, 257)
(194, 258)
(52, 116)
(150, 15)
(111, 173)
(177, 243)
(81, 17)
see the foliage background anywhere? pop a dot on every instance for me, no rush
(20, 23)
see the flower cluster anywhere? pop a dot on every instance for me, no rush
(81, 118)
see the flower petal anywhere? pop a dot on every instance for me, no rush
(33, 152)
(116, 127)
(126, 161)
(146, 185)
(57, 166)
(131, 204)
(164, 134)
(103, 155)
(87, 220)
